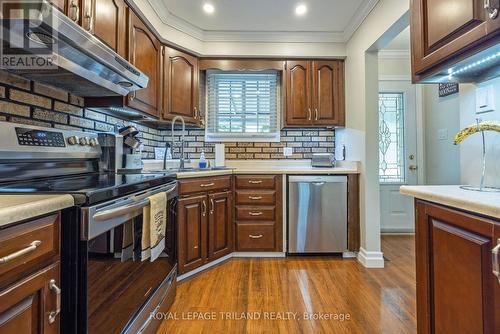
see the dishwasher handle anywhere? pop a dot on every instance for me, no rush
(317, 180)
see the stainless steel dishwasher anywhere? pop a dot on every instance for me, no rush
(317, 214)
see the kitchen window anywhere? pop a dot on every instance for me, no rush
(243, 106)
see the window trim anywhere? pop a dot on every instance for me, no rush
(272, 137)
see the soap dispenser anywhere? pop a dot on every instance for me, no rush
(203, 162)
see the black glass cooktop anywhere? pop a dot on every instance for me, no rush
(89, 188)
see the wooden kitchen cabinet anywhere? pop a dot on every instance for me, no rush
(259, 213)
(106, 19)
(205, 221)
(220, 225)
(456, 289)
(315, 93)
(144, 52)
(30, 276)
(72, 8)
(443, 32)
(27, 305)
(180, 86)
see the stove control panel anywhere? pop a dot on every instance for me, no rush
(31, 137)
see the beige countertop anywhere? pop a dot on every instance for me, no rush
(14, 208)
(485, 203)
(265, 167)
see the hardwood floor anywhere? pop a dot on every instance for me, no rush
(375, 300)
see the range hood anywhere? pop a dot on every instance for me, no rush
(82, 64)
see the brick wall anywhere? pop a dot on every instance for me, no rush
(304, 143)
(23, 101)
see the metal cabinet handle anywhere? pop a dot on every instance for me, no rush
(195, 113)
(90, 19)
(256, 198)
(310, 114)
(33, 245)
(495, 260)
(259, 213)
(74, 12)
(212, 206)
(57, 290)
(204, 208)
(315, 114)
(255, 236)
(491, 9)
(255, 181)
(131, 96)
(207, 185)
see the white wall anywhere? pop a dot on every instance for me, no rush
(397, 66)
(441, 156)
(361, 133)
(470, 148)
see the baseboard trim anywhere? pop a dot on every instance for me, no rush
(258, 254)
(371, 259)
(227, 257)
(396, 231)
(204, 267)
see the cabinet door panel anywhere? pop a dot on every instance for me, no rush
(328, 83)
(192, 232)
(145, 53)
(298, 93)
(456, 289)
(26, 304)
(442, 28)
(220, 240)
(180, 85)
(106, 19)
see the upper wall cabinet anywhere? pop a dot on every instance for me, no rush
(314, 93)
(144, 52)
(106, 19)
(445, 32)
(180, 86)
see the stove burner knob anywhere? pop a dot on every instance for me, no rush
(73, 140)
(84, 141)
(93, 142)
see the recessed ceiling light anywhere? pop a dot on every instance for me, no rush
(208, 8)
(300, 9)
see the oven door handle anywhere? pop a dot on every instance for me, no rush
(113, 213)
(123, 210)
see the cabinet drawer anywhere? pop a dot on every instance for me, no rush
(255, 237)
(255, 181)
(255, 213)
(188, 186)
(256, 197)
(28, 245)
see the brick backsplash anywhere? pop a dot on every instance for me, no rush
(23, 101)
(304, 143)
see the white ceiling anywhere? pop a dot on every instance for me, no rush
(265, 20)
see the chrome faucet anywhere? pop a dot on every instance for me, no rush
(182, 160)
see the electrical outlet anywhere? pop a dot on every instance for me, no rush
(287, 151)
(443, 134)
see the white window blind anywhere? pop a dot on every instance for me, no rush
(242, 106)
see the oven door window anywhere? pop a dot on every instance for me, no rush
(118, 282)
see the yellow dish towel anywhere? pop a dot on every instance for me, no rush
(153, 227)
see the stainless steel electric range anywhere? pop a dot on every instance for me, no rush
(102, 292)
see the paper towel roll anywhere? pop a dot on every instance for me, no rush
(219, 155)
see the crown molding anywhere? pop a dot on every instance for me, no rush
(394, 54)
(178, 23)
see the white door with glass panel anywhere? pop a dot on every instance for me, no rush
(397, 154)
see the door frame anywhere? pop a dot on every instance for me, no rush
(419, 122)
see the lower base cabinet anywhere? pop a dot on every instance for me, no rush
(30, 305)
(457, 291)
(205, 228)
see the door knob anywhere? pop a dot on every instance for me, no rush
(412, 168)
